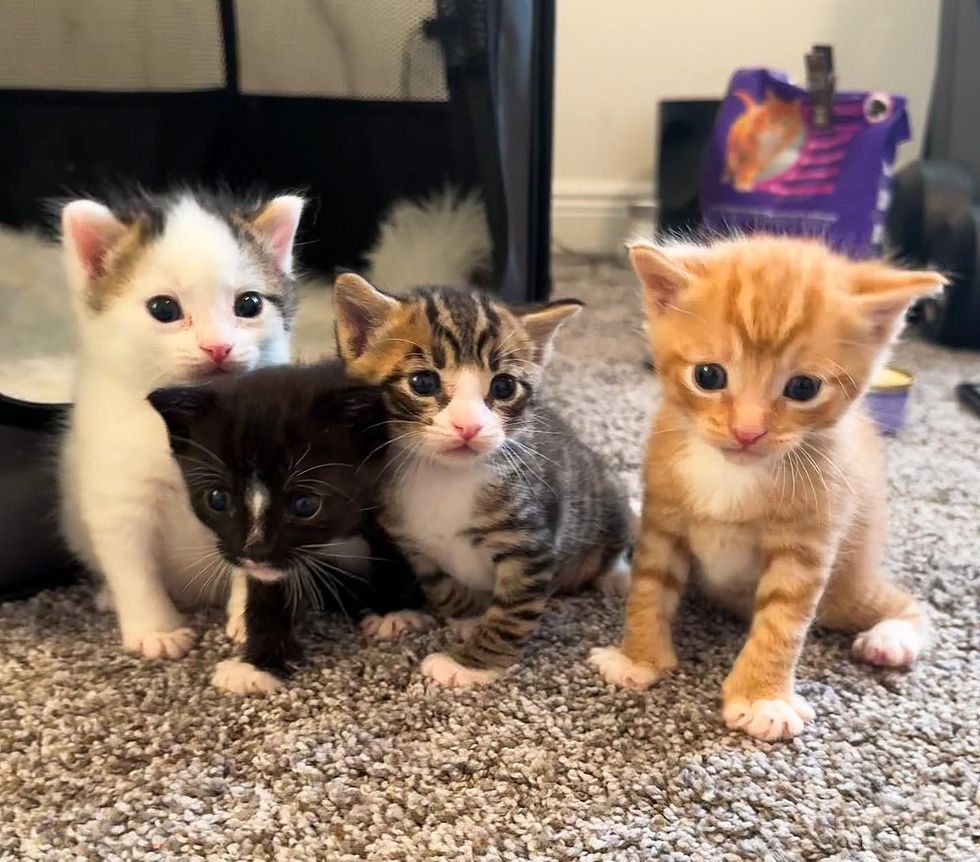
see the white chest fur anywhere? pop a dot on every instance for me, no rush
(722, 494)
(435, 505)
(728, 563)
(718, 488)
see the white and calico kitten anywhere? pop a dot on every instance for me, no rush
(167, 290)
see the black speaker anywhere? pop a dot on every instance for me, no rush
(684, 128)
(953, 318)
(926, 196)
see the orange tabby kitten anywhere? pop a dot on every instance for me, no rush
(763, 474)
(759, 137)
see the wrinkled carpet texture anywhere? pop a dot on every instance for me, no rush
(103, 756)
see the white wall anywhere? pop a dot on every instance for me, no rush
(617, 58)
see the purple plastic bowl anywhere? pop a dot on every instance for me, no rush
(888, 402)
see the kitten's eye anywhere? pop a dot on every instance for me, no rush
(502, 387)
(802, 387)
(248, 304)
(304, 506)
(166, 309)
(424, 382)
(218, 500)
(710, 377)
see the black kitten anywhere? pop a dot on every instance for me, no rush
(281, 465)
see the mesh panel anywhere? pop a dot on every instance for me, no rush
(110, 45)
(339, 49)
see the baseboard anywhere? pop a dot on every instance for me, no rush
(593, 217)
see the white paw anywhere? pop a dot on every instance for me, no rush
(615, 581)
(463, 627)
(240, 677)
(172, 645)
(385, 627)
(235, 628)
(891, 643)
(768, 719)
(619, 670)
(445, 670)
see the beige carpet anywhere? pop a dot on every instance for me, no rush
(106, 757)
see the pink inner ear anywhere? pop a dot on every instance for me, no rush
(277, 225)
(281, 243)
(91, 229)
(886, 315)
(92, 248)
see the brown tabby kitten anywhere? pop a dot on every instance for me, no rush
(493, 499)
(763, 474)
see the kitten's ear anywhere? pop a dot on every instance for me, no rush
(360, 311)
(276, 226)
(884, 293)
(365, 414)
(89, 231)
(664, 272)
(543, 323)
(182, 407)
(360, 408)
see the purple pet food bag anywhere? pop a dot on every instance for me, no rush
(768, 167)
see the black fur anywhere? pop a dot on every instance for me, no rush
(291, 431)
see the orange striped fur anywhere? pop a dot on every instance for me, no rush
(775, 502)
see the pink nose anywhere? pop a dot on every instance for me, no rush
(217, 352)
(468, 432)
(747, 436)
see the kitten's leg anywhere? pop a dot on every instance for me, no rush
(758, 694)
(390, 625)
(615, 579)
(399, 611)
(661, 567)
(445, 595)
(892, 627)
(271, 650)
(237, 595)
(150, 624)
(522, 577)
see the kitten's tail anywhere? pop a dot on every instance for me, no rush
(439, 239)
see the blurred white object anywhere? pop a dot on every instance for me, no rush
(439, 239)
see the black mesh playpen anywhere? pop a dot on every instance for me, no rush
(357, 103)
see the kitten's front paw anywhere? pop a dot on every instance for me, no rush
(152, 645)
(240, 677)
(445, 670)
(768, 719)
(891, 643)
(235, 628)
(622, 671)
(385, 627)
(615, 581)
(463, 627)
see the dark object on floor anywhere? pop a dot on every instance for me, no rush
(32, 555)
(969, 396)
(926, 196)
(933, 223)
(684, 129)
(953, 317)
(463, 95)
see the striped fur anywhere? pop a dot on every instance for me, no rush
(494, 531)
(776, 503)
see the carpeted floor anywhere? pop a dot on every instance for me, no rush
(103, 756)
